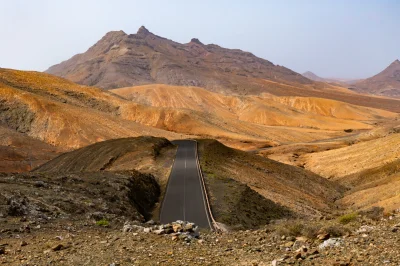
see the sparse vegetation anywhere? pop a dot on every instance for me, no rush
(373, 213)
(291, 228)
(103, 222)
(336, 230)
(347, 218)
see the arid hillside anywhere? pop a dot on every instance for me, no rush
(341, 82)
(369, 169)
(45, 108)
(125, 60)
(64, 114)
(386, 83)
(120, 60)
(304, 193)
(276, 119)
(21, 153)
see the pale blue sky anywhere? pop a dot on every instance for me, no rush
(341, 38)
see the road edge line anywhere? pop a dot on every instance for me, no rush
(167, 186)
(214, 225)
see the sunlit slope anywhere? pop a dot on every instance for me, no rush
(333, 108)
(62, 113)
(355, 158)
(57, 112)
(271, 111)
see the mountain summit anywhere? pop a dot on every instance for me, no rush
(120, 60)
(312, 76)
(386, 83)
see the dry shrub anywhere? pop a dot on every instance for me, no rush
(336, 230)
(373, 213)
(298, 228)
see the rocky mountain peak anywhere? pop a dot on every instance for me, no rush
(113, 34)
(143, 31)
(195, 40)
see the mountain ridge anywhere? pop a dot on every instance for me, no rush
(120, 60)
(385, 83)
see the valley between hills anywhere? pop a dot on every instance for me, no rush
(87, 148)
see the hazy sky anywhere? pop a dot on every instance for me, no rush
(348, 39)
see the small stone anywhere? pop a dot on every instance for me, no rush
(314, 252)
(57, 247)
(288, 244)
(2, 250)
(189, 227)
(290, 238)
(177, 227)
(323, 236)
(150, 222)
(394, 229)
(23, 243)
(159, 232)
(299, 244)
(297, 256)
(147, 230)
(330, 243)
(174, 238)
(302, 249)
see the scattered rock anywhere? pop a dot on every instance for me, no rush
(189, 227)
(299, 244)
(159, 232)
(150, 222)
(23, 243)
(331, 243)
(57, 247)
(323, 236)
(288, 244)
(131, 228)
(298, 255)
(177, 227)
(365, 229)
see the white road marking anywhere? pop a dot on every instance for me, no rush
(184, 189)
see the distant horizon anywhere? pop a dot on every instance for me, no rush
(340, 40)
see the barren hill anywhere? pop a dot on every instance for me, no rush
(68, 115)
(62, 113)
(303, 192)
(300, 112)
(370, 169)
(386, 83)
(21, 153)
(124, 60)
(312, 76)
(121, 60)
(333, 81)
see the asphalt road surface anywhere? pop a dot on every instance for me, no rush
(184, 199)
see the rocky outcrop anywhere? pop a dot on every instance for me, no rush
(121, 60)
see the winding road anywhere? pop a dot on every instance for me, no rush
(184, 198)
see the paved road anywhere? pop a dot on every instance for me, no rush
(184, 198)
